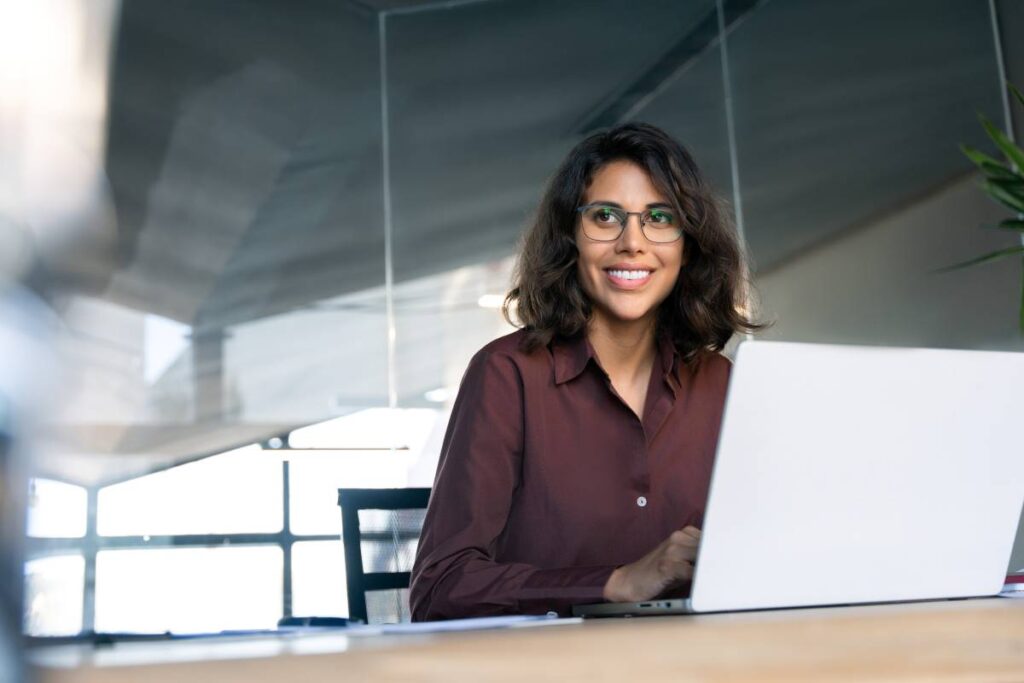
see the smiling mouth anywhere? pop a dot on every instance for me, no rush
(628, 279)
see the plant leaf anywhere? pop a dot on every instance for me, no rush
(1007, 197)
(1013, 224)
(984, 258)
(1014, 153)
(1000, 172)
(1014, 185)
(1017, 93)
(980, 158)
(992, 167)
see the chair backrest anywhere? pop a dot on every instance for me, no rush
(380, 529)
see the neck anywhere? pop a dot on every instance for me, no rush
(624, 348)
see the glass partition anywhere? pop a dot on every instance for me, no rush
(244, 157)
(294, 224)
(484, 101)
(849, 117)
(860, 115)
(223, 285)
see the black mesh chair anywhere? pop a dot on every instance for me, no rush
(380, 529)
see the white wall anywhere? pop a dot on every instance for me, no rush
(876, 284)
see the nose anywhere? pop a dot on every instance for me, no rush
(632, 238)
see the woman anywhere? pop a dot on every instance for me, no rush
(577, 460)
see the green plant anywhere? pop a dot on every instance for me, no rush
(1003, 181)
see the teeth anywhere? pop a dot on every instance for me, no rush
(630, 274)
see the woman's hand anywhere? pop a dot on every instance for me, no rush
(667, 566)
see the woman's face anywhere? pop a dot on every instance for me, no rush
(626, 279)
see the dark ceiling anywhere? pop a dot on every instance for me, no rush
(245, 137)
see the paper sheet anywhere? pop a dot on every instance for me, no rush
(477, 624)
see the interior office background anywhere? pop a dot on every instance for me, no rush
(269, 235)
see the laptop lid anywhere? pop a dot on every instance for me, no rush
(857, 474)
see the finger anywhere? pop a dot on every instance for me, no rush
(681, 553)
(691, 531)
(674, 570)
(681, 537)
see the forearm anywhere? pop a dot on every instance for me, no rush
(477, 586)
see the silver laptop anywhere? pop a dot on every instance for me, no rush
(849, 475)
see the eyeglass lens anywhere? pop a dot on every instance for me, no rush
(606, 223)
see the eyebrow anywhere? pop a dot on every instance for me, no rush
(655, 205)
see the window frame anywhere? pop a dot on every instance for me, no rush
(92, 543)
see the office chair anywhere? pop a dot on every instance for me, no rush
(380, 529)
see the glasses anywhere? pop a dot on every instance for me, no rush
(603, 223)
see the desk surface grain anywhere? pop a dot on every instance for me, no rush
(974, 640)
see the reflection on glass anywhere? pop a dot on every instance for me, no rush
(123, 367)
(230, 281)
(441, 321)
(300, 367)
(376, 428)
(235, 492)
(165, 341)
(316, 476)
(54, 589)
(188, 590)
(318, 579)
(56, 509)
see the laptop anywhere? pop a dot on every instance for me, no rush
(850, 475)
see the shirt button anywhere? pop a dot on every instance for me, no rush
(641, 502)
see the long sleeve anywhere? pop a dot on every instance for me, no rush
(457, 572)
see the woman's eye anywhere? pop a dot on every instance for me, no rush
(605, 216)
(662, 217)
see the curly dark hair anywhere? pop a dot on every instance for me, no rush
(703, 310)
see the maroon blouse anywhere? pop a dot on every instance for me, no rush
(548, 481)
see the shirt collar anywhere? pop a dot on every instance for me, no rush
(670, 360)
(572, 354)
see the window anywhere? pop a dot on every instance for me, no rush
(318, 579)
(188, 590)
(56, 509)
(203, 547)
(235, 492)
(54, 595)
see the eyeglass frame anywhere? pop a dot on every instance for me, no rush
(622, 225)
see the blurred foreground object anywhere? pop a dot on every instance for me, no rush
(56, 232)
(25, 364)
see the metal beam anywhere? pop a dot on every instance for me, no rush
(630, 100)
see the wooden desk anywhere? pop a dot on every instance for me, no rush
(976, 640)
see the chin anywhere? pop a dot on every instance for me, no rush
(627, 314)
(630, 316)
